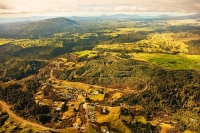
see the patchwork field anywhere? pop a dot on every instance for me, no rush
(86, 53)
(120, 126)
(116, 96)
(112, 116)
(25, 43)
(155, 43)
(168, 61)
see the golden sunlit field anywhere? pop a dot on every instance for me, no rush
(168, 61)
(120, 126)
(4, 41)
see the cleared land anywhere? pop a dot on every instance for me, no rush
(168, 61)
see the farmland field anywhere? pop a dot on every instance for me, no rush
(168, 61)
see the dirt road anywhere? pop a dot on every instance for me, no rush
(19, 119)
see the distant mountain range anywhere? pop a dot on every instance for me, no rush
(195, 16)
(35, 29)
(47, 27)
(116, 16)
(123, 16)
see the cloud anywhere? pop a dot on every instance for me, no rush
(110, 8)
(42, 6)
(4, 7)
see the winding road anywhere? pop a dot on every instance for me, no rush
(97, 86)
(5, 106)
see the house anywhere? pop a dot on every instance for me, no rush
(96, 92)
(58, 105)
(104, 111)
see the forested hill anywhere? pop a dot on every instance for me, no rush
(37, 29)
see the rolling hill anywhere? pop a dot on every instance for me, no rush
(38, 29)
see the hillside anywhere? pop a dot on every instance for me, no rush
(37, 29)
(156, 17)
(99, 75)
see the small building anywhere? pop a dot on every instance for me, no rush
(96, 92)
(58, 105)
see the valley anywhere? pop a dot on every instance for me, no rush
(100, 75)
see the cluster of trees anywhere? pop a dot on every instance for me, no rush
(23, 102)
(194, 47)
(169, 91)
(127, 38)
(16, 68)
(42, 52)
(39, 42)
(181, 28)
(3, 117)
(139, 127)
(124, 73)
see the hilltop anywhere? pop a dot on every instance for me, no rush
(41, 28)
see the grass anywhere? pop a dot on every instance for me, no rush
(181, 22)
(134, 29)
(4, 41)
(113, 115)
(68, 130)
(113, 34)
(101, 118)
(120, 126)
(70, 109)
(117, 46)
(32, 42)
(136, 107)
(68, 113)
(120, 31)
(87, 52)
(97, 97)
(75, 84)
(25, 128)
(81, 98)
(169, 61)
(188, 131)
(125, 117)
(91, 130)
(116, 96)
(88, 35)
(63, 59)
(141, 119)
(114, 110)
(155, 43)
(78, 121)
(165, 127)
(69, 64)
(38, 42)
(76, 104)
(46, 102)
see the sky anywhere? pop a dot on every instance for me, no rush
(16, 8)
